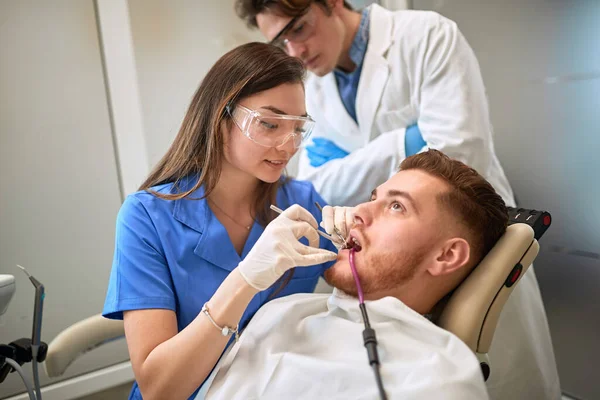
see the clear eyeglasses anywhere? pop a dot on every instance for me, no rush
(298, 30)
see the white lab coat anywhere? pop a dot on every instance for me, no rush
(310, 346)
(419, 67)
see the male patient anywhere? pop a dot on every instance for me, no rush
(420, 235)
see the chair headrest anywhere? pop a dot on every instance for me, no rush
(473, 310)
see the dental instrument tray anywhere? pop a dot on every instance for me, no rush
(539, 220)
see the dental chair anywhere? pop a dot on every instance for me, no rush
(473, 309)
(471, 312)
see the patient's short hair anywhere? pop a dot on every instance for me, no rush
(471, 199)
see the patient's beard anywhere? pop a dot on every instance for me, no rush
(379, 274)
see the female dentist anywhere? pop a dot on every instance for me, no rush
(194, 257)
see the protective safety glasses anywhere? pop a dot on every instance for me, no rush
(270, 129)
(298, 30)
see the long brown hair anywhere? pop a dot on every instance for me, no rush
(198, 149)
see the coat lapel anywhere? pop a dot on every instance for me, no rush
(376, 69)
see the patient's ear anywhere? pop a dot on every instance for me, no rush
(453, 255)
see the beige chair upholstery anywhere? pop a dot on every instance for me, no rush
(471, 313)
(78, 339)
(473, 310)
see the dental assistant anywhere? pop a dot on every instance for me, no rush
(198, 250)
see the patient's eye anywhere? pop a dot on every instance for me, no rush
(397, 206)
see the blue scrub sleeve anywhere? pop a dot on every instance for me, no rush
(140, 277)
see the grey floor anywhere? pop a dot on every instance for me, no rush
(120, 392)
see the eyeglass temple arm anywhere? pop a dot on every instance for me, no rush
(285, 29)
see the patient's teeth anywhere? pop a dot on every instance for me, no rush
(353, 243)
(356, 245)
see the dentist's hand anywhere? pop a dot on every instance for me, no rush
(323, 150)
(341, 218)
(413, 140)
(278, 249)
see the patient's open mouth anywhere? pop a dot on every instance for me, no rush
(353, 243)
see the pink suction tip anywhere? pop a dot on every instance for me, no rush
(353, 269)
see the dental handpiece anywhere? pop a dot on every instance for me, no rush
(40, 294)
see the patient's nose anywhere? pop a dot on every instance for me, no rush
(361, 214)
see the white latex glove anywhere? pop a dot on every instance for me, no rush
(278, 249)
(341, 218)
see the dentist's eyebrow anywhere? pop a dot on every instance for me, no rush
(279, 111)
(399, 193)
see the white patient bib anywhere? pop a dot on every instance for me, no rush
(310, 346)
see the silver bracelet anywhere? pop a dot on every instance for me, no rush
(225, 330)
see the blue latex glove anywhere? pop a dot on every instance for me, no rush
(413, 140)
(323, 150)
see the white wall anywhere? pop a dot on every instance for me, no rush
(114, 31)
(175, 44)
(59, 192)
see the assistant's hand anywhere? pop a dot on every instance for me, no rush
(323, 150)
(413, 140)
(278, 249)
(341, 218)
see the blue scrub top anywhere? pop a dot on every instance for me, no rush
(174, 254)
